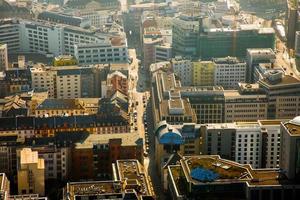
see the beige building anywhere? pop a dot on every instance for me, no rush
(203, 73)
(4, 187)
(3, 57)
(43, 78)
(67, 107)
(245, 104)
(290, 148)
(31, 172)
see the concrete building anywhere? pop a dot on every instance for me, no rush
(9, 34)
(130, 181)
(92, 158)
(113, 51)
(31, 172)
(183, 69)
(3, 57)
(255, 57)
(115, 81)
(4, 187)
(151, 39)
(249, 183)
(222, 42)
(292, 22)
(229, 72)
(67, 107)
(53, 39)
(290, 148)
(163, 52)
(185, 31)
(98, 18)
(64, 82)
(247, 103)
(62, 18)
(203, 73)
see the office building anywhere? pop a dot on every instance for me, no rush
(183, 69)
(185, 30)
(292, 22)
(31, 172)
(129, 182)
(114, 51)
(248, 103)
(229, 72)
(62, 18)
(54, 39)
(3, 57)
(214, 177)
(255, 57)
(9, 34)
(151, 39)
(163, 52)
(218, 42)
(289, 153)
(64, 82)
(92, 158)
(168, 103)
(203, 73)
(4, 187)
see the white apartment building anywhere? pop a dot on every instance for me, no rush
(3, 57)
(163, 52)
(229, 72)
(248, 144)
(104, 52)
(183, 69)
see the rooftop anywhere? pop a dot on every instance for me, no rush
(93, 188)
(128, 139)
(133, 173)
(293, 126)
(199, 170)
(59, 104)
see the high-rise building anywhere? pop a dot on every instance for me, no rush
(3, 57)
(222, 42)
(4, 187)
(229, 72)
(290, 148)
(183, 69)
(255, 57)
(31, 172)
(185, 30)
(292, 22)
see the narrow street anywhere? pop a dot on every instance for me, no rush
(139, 80)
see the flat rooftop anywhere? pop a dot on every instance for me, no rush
(128, 139)
(93, 188)
(200, 170)
(134, 174)
(294, 129)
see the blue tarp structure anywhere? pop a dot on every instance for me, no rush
(203, 175)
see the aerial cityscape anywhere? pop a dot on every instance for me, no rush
(150, 99)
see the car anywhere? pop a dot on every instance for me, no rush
(147, 148)
(145, 154)
(135, 128)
